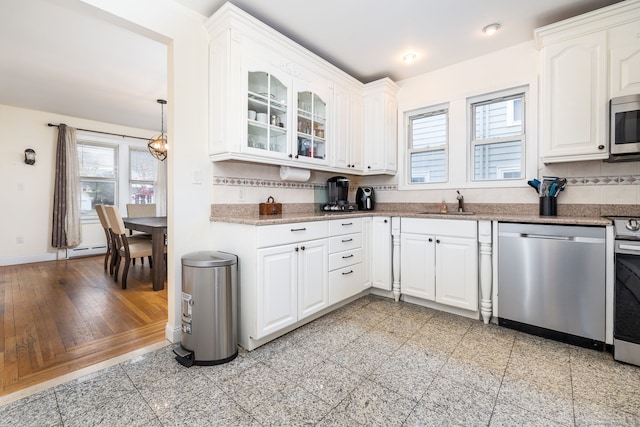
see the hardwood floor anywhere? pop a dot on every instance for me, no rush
(57, 317)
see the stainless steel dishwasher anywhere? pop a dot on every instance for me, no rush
(551, 281)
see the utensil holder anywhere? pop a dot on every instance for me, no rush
(548, 206)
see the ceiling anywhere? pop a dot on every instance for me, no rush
(59, 56)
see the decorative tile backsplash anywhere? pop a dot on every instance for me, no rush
(265, 183)
(271, 183)
(605, 180)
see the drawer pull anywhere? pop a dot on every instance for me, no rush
(348, 223)
(347, 256)
(347, 240)
(348, 272)
(298, 229)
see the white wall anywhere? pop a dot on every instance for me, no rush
(189, 201)
(28, 190)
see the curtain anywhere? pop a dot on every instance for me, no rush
(161, 189)
(66, 197)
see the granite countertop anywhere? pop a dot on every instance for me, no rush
(287, 218)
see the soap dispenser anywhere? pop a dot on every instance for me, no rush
(443, 207)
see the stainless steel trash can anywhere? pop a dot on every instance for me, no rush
(208, 307)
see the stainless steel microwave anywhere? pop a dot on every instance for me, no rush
(624, 123)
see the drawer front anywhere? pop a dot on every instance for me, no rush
(345, 226)
(440, 227)
(282, 234)
(345, 242)
(344, 259)
(345, 282)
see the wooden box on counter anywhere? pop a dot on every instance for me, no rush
(270, 208)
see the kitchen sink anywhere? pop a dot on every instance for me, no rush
(448, 213)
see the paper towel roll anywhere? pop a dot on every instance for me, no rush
(287, 173)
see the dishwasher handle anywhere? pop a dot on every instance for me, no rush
(546, 236)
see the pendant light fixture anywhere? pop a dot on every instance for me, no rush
(158, 145)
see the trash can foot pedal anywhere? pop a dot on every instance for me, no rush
(184, 357)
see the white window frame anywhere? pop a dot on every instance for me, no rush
(123, 145)
(416, 114)
(488, 98)
(82, 140)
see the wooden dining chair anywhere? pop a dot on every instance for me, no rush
(136, 210)
(139, 211)
(107, 232)
(124, 245)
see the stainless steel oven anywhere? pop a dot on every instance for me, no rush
(626, 320)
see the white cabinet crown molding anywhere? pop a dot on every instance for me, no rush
(597, 20)
(232, 17)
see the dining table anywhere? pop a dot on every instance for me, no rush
(157, 227)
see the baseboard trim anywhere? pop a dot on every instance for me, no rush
(173, 333)
(28, 259)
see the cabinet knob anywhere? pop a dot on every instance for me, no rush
(368, 167)
(302, 248)
(430, 239)
(600, 147)
(386, 221)
(438, 241)
(290, 156)
(297, 249)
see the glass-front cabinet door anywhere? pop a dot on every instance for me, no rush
(267, 114)
(311, 140)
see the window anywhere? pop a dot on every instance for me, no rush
(497, 136)
(428, 139)
(142, 176)
(98, 165)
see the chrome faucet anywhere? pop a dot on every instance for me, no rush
(460, 198)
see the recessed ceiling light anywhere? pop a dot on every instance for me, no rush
(491, 29)
(408, 58)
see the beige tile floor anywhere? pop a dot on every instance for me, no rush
(373, 363)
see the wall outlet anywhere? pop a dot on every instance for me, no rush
(19, 239)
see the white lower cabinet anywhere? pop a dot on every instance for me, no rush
(380, 250)
(346, 275)
(291, 273)
(439, 261)
(292, 284)
(457, 272)
(417, 265)
(313, 278)
(345, 282)
(277, 290)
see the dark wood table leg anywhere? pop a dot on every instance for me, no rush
(159, 270)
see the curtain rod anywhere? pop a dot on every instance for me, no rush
(104, 133)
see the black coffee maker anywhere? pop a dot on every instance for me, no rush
(338, 195)
(338, 190)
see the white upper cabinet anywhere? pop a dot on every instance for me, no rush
(272, 101)
(268, 99)
(574, 98)
(312, 119)
(585, 61)
(624, 55)
(348, 136)
(381, 130)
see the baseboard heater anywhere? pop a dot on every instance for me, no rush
(86, 251)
